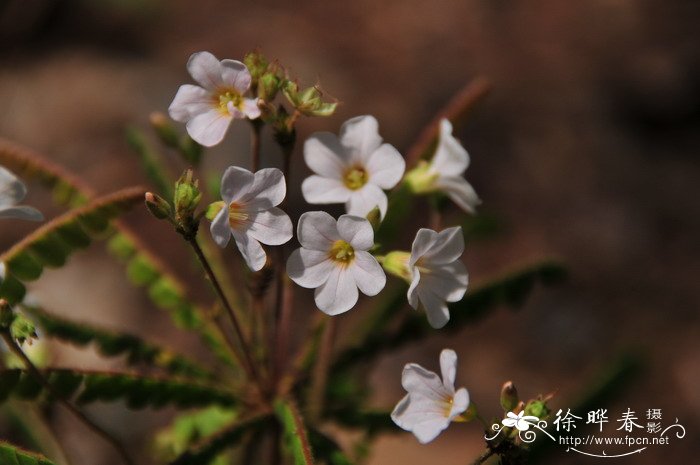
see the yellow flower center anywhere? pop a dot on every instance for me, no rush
(341, 252)
(237, 215)
(225, 96)
(355, 178)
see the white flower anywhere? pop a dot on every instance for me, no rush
(353, 168)
(333, 259)
(12, 191)
(250, 214)
(438, 276)
(208, 110)
(521, 422)
(431, 403)
(444, 172)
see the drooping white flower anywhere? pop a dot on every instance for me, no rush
(431, 403)
(437, 274)
(334, 260)
(521, 422)
(444, 173)
(208, 110)
(12, 191)
(353, 168)
(250, 213)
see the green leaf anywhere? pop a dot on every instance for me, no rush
(112, 344)
(45, 247)
(327, 450)
(13, 455)
(136, 390)
(150, 162)
(295, 436)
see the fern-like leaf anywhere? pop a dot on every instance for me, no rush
(13, 455)
(295, 436)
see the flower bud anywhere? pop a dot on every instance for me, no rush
(165, 131)
(421, 179)
(308, 102)
(213, 209)
(268, 86)
(22, 329)
(158, 206)
(537, 408)
(375, 218)
(187, 196)
(509, 396)
(396, 263)
(256, 63)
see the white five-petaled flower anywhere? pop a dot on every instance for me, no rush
(445, 171)
(12, 191)
(250, 213)
(437, 274)
(208, 110)
(352, 168)
(333, 259)
(431, 403)
(521, 422)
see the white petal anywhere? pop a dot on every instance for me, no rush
(3, 272)
(338, 294)
(252, 251)
(324, 155)
(12, 190)
(449, 282)
(205, 68)
(220, 228)
(368, 273)
(416, 380)
(448, 247)
(209, 128)
(271, 227)
(422, 417)
(357, 231)
(385, 166)
(251, 108)
(460, 191)
(190, 101)
(448, 368)
(235, 74)
(425, 239)
(412, 294)
(235, 183)
(435, 308)
(309, 268)
(234, 112)
(21, 213)
(320, 190)
(268, 189)
(460, 403)
(317, 231)
(363, 201)
(360, 136)
(451, 159)
(509, 422)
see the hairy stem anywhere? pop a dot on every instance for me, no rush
(17, 350)
(320, 373)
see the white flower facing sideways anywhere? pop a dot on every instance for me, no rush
(437, 274)
(352, 168)
(521, 422)
(12, 191)
(208, 110)
(445, 171)
(431, 403)
(250, 213)
(334, 260)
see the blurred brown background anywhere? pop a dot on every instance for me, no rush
(586, 149)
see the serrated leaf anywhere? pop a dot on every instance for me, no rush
(111, 344)
(295, 436)
(13, 455)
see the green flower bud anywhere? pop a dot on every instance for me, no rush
(213, 209)
(421, 179)
(509, 396)
(309, 101)
(268, 86)
(22, 329)
(375, 218)
(537, 408)
(187, 197)
(396, 263)
(256, 63)
(158, 206)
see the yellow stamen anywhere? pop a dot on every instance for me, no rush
(355, 178)
(224, 96)
(341, 252)
(237, 215)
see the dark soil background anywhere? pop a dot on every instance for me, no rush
(586, 149)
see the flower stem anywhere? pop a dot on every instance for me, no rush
(246, 359)
(256, 125)
(320, 372)
(484, 456)
(17, 350)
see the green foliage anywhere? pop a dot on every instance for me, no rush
(295, 437)
(51, 244)
(151, 164)
(13, 455)
(113, 344)
(327, 450)
(136, 390)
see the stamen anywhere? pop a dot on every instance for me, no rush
(355, 178)
(237, 215)
(341, 252)
(228, 95)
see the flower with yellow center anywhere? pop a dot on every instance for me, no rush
(208, 110)
(334, 260)
(431, 403)
(250, 213)
(354, 168)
